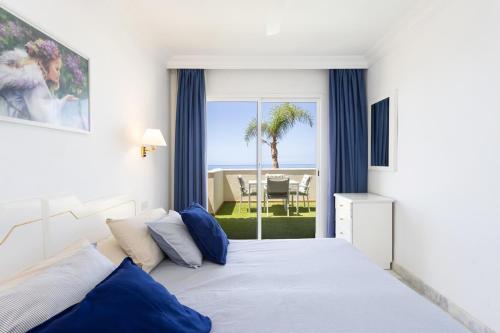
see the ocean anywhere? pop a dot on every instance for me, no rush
(264, 166)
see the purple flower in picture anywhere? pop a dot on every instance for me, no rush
(46, 49)
(50, 49)
(3, 30)
(79, 76)
(15, 30)
(73, 64)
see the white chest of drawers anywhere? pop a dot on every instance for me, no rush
(365, 220)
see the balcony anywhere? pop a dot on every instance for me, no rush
(241, 222)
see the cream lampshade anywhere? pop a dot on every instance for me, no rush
(152, 138)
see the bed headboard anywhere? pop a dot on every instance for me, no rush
(34, 229)
(21, 235)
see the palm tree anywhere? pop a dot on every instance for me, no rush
(282, 118)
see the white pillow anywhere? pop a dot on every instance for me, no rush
(173, 237)
(60, 286)
(110, 248)
(43, 265)
(173, 217)
(133, 236)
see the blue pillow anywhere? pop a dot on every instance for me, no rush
(128, 300)
(207, 233)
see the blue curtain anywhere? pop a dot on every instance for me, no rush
(190, 177)
(348, 137)
(380, 133)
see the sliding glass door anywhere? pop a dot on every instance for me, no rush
(232, 167)
(262, 173)
(288, 170)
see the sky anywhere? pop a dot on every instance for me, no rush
(226, 123)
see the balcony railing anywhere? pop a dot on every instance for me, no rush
(223, 184)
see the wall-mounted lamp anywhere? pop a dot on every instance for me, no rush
(151, 139)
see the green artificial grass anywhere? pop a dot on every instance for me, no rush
(277, 226)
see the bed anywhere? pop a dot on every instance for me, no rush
(308, 285)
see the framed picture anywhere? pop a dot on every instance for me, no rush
(42, 82)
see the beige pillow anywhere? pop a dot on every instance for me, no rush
(110, 248)
(43, 265)
(133, 236)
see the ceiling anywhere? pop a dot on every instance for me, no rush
(238, 27)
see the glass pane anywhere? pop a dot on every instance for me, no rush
(288, 169)
(232, 168)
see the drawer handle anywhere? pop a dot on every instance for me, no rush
(340, 205)
(342, 219)
(341, 232)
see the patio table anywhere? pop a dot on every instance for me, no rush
(294, 186)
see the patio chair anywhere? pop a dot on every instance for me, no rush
(278, 189)
(304, 186)
(245, 193)
(275, 176)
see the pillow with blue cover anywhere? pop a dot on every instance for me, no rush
(207, 233)
(128, 300)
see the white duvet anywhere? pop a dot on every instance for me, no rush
(309, 285)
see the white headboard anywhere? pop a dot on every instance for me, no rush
(31, 230)
(21, 230)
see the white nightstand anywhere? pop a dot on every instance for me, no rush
(365, 220)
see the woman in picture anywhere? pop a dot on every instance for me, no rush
(28, 80)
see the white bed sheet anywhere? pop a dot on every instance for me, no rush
(310, 285)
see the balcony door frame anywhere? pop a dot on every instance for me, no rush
(279, 98)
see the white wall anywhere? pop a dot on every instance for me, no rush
(289, 83)
(128, 93)
(447, 216)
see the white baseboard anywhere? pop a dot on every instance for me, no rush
(466, 319)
